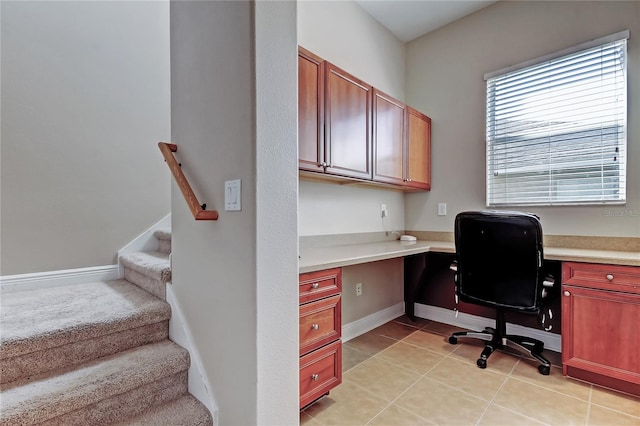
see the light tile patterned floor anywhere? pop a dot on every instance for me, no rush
(406, 373)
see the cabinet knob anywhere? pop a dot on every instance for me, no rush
(315, 326)
(610, 277)
(315, 377)
(315, 285)
(566, 293)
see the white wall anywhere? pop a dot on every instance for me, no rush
(445, 80)
(85, 99)
(233, 89)
(276, 212)
(327, 209)
(344, 34)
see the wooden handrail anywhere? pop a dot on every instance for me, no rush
(198, 211)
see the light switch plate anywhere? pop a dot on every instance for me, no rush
(233, 195)
(442, 209)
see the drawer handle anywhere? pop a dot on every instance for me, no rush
(315, 326)
(566, 293)
(315, 285)
(610, 277)
(315, 377)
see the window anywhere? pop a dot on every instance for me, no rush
(556, 128)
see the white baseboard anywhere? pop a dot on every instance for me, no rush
(11, 283)
(551, 341)
(361, 326)
(145, 241)
(180, 333)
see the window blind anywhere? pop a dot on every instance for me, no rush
(556, 128)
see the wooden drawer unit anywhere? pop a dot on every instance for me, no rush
(320, 330)
(606, 277)
(601, 324)
(319, 284)
(319, 323)
(320, 371)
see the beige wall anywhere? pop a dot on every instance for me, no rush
(382, 287)
(85, 99)
(343, 33)
(445, 80)
(233, 110)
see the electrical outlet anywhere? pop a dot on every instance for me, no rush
(383, 211)
(442, 209)
(359, 289)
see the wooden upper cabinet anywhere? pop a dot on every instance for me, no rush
(347, 124)
(310, 111)
(389, 135)
(347, 130)
(418, 164)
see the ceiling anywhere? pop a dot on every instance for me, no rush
(409, 19)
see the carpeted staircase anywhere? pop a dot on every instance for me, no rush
(97, 353)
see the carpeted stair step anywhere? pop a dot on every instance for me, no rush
(164, 240)
(106, 390)
(184, 411)
(54, 328)
(148, 270)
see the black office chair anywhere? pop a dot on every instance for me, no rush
(499, 264)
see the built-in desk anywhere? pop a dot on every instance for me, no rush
(319, 258)
(619, 304)
(315, 259)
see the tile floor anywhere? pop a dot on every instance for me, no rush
(406, 373)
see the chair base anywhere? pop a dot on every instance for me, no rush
(498, 338)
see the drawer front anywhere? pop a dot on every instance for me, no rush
(320, 371)
(605, 277)
(319, 323)
(320, 284)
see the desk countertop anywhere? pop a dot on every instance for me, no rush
(315, 259)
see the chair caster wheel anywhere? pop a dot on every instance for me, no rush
(544, 370)
(453, 340)
(482, 363)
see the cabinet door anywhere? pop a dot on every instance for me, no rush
(601, 333)
(347, 124)
(418, 162)
(389, 130)
(310, 111)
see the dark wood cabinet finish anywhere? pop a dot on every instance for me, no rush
(601, 324)
(320, 371)
(389, 139)
(320, 330)
(350, 132)
(418, 154)
(310, 111)
(347, 124)
(319, 284)
(320, 323)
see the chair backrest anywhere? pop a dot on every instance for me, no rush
(499, 256)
